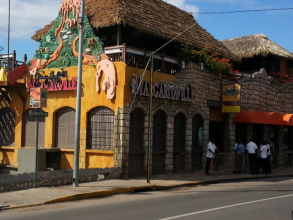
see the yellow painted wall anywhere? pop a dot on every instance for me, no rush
(90, 99)
(10, 153)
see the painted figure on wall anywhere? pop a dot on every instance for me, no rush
(58, 49)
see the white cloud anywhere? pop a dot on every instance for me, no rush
(26, 17)
(182, 4)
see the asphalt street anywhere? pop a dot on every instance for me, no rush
(257, 199)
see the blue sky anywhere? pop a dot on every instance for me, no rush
(28, 16)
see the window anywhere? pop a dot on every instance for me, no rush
(179, 133)
(197, 133)
(136, 130)
(159, 131)
(100, 132)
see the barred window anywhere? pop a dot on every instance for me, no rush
(179, 133)
(159, 131)
(136, 131)
(197, 133)
(287, 138)
(100, 132)
(7, 127)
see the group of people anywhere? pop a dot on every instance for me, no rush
(260, 157)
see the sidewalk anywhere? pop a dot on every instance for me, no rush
(47, 195)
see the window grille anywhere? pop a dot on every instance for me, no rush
(136, 130)
(100, 132)
(179, 133)
(159, 131)
(7, 127)
(197, 133)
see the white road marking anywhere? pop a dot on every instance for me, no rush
(225, 207)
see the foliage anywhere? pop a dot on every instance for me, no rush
(282, 77)
(211, 61)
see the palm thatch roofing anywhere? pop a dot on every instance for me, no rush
(255, 45)
(153, 17)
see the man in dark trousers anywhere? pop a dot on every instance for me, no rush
(251, 150)
(211, 149)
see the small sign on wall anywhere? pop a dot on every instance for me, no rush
(230, 109)
(231, 92)
(38, 97)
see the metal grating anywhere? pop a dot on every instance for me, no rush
(159, 131)
(100, 132)
(183, 162)
(7, 126)
(179, 133)
(136, 130)
(197, 133)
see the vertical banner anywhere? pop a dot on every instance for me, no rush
(38, 98)
(231, 92)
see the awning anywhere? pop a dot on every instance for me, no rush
(288, 119)
(259, 117)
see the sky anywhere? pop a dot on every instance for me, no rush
(28, 16)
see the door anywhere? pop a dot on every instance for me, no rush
(30, 125)
(159, 143)
(65, 128)
(136, 151)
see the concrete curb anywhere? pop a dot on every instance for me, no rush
(96, 194)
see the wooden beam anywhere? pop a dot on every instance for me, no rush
(18, 93)
(5, 95)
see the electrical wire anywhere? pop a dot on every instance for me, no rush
(139, 84)
(166, 45)
(255, 10)
(195, 23)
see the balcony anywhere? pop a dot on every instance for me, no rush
(138, 58)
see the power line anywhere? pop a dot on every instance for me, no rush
(255, 10)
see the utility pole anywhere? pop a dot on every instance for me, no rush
(150, 120)
(8, 36)
(75, 179)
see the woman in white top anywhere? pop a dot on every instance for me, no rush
(263, 156)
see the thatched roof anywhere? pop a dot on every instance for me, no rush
(153, 17)
(255, 45)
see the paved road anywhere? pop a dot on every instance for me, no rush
(258, 199)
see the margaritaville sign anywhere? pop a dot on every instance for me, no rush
(162, 91)
(54, 82)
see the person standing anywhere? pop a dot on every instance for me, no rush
(211, 149)
(251, 150)
(269, 167)
(240, 150)
(263, 156)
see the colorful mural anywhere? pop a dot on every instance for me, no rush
(58, 49)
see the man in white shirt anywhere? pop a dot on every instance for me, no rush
(211, 149)
(263, 156)
(251, 149)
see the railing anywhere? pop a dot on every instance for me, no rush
(233, 162)
(183, 162)
(13, 63)
(138, 58)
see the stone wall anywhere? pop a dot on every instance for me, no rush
(261, 92)
(258, 92)
(55, 178)
(207, 87)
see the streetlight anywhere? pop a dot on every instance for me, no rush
(78, 99)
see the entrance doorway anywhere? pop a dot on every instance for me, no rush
(216, 130)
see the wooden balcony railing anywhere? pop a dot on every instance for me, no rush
(13, 63)
(138, 58)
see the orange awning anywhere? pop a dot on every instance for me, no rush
(259, 117)
(288, 119)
